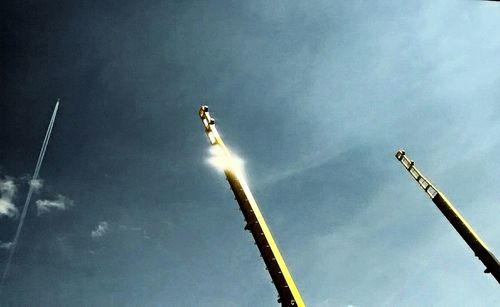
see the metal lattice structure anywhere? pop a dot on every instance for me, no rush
(255, 223)
(454, 217)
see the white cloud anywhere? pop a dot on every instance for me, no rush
(60, 203)
(7, 192)
(5, 245)
(101, 229)
(36, 184)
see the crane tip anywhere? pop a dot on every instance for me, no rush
(400, 153)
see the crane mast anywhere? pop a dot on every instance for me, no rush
(456, 220)
(255, 223)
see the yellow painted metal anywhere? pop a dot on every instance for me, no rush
(454, 217)
(288, 293)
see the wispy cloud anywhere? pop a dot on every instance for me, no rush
(36, 184)
(134, 229)
(60, 203)
(5, 245)
(7, 192)
(101, 229)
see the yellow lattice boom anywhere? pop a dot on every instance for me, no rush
(288, 293)
(454, 217)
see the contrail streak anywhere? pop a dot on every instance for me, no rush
(30, 192)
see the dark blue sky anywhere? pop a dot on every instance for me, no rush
(315, 97)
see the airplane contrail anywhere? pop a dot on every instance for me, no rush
(30, 192)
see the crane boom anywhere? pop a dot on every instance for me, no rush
(454, 217)
(255, 223)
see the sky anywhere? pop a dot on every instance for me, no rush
(316, 97)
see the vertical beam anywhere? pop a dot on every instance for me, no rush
(255, 223)
(463, 228)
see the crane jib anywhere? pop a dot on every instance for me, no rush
(454, 217)
(255, 223)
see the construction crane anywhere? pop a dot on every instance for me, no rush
(288, 294)
(457, 221)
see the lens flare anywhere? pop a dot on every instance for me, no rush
(222, 161)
